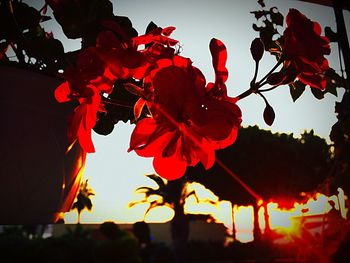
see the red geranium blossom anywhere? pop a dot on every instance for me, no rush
(190, 121)
(121, 54)
(304, 49)
(84, 83)
(98, 68)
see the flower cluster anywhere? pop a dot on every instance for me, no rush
(186, 119)
(190, 120)
(98, 68)
(304, 49)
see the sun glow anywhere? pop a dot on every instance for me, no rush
(319, 204)
(207, 203)
(244, 223)
(314, 217)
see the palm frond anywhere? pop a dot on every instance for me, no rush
(149, 191)
(130, 205)
(143, 189)
(158, 180)
(193, 192)
(152, 205)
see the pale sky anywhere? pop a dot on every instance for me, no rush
(114, 174)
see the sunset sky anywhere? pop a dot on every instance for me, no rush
(114, 174)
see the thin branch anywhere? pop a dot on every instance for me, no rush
(279, 62)
(269, 89)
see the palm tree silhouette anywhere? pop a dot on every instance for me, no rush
(83, 200)
(172, 194)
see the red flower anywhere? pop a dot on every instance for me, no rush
(98, 68)
(189, 123)
(304, 49)
(84, 119)
(84, 83)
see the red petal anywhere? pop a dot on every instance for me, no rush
(219, 54)
(153, 36)
(84, 137)
(138, 107)
(149, 139)
(207, 155)
(175, 92)
(77, 128)
(165, 40)
(197, 148)
(220, 118)
(62, 92)
(317, 28)
(156, 144)
(168, 30)
(75, 121)
(315, 81)
(170, 168)
(141, 133)
(105, 83)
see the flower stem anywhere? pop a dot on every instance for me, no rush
(264, 98)
(268, 89)
(256, 72)
(279, 62)
(255, 86)
(244, 94)
(116, 103)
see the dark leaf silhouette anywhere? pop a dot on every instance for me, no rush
(296, 89)
(275, 78)
(330, 34)
(120, 108)
(105, 124)
(76, 17)
(318, 94)
(276, 17)
(259, 14)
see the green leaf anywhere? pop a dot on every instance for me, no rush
(296, 89)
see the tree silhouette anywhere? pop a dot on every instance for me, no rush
(172, 194)
(276, 166)
(83, 200)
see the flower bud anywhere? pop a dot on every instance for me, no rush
(257, 49)
(269, 115)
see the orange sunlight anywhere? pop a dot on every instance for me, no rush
(208, 204)
(313, 215)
